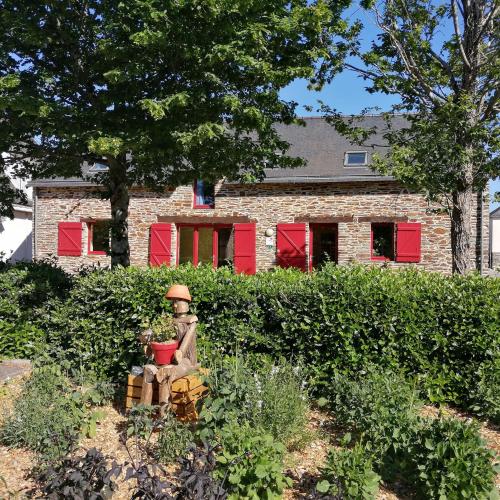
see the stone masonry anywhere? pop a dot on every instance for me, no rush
(353, 206)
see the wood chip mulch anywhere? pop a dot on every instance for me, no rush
(302, 465)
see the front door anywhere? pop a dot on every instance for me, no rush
(291, 245)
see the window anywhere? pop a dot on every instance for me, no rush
(355, 158)
(204, 194)
(205, 244)
(382, 241)
(323, 241)
(99, 167)
(99, 236)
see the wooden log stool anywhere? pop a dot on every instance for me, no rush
(185, 393)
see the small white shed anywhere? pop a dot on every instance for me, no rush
(495, 238)
(15, 234)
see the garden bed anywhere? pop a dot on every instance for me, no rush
(370, 349)
(302, 466)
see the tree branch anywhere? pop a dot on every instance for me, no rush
(408, 61)
(493, 105)
(459, 34)
(495, 11)
(447, 68)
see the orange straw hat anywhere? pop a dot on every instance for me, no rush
(178, 292)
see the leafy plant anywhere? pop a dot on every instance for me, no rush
(250, 463)
(269, 396)
(89, 425)
(380, 407)
(20, 339)
(163, 329)
(84, 477)
(149, 485)
(282, 402)
(450, 460)
(231, 396)
(196, 475)
(486, 394)
(174, 439)
(140, 422)
(348, 474)
(46, 417)
(150, 477)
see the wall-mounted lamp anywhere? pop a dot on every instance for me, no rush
(269, 232)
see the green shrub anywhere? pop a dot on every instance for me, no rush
(268, 396)
(282, 402)
(443, 458)
(20, 340)
(450, 460)
(174, 439)
(438, 328)
(46, 417)
(230, 398)
(348, 474)
(30, 291)
(251, 463)
(486, 395)
(380, 407)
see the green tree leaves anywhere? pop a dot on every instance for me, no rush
(167, 91)
(442, 60)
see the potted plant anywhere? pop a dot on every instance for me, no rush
(163, 339)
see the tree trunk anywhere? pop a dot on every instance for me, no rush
(119, 197)
(461, 230)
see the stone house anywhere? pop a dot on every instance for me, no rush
(334, 208)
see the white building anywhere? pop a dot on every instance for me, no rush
(495, 238)
(15, 234)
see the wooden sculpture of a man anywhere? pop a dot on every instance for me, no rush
(185, 356)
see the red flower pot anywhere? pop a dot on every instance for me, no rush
(164, 351)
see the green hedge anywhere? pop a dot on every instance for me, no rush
(29, 291)
(441, 329)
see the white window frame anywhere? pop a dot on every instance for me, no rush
(346, 155)
(98, 167)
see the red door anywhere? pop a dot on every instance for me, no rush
(291, 245)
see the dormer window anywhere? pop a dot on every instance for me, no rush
(204, 194)
(99, 167)
(355, 158)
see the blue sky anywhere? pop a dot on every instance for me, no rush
(347, 92)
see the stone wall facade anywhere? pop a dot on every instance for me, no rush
(353, 206)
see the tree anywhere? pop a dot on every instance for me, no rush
(8, 124)
(442, 59)
(165, 91)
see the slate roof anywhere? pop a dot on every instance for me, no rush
(318, 143)
(495, 214)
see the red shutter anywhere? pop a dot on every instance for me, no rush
(408, 242)
(69, 238)
(291, 245)
(244, 248)
(160, 244)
